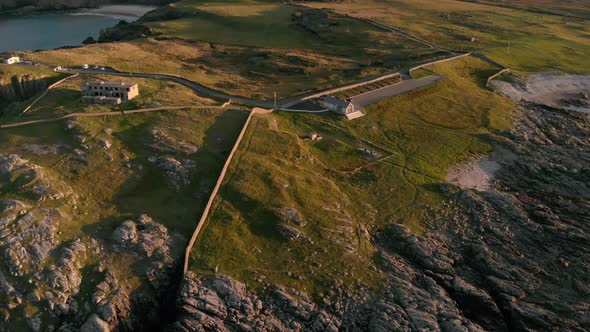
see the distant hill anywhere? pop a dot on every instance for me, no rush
(574, 8)
(6, 5)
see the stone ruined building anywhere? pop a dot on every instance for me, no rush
(108, 92)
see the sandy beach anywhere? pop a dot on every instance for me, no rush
(479, 172)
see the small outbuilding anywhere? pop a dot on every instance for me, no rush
(314, 137)
(11, 60)
(344, 107)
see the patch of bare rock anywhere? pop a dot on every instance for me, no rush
(554, 89)
(173, 156)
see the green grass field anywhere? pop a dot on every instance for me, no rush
(269, 24)
(340, 192)
(573, 8)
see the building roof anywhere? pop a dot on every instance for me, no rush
(336, 101)
(111, 84)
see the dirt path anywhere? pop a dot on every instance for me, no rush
(73, 115)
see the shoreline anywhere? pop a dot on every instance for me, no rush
(91, 20)
(129, 10)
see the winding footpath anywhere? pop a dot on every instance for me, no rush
(86, 115)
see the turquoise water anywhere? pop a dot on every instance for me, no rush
(49, 31)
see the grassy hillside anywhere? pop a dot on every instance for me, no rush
(113, 167)
(332, 192)
(524, 40)
(251, 72)
(278, 25)
(573, 8)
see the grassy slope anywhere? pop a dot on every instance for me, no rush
(9, 70)
(270, 25)
(574, 8)
(335, 187)
(523, 40)
(236, 70)
(269, 53)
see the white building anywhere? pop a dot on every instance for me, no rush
(337, 105)
(10, 60)
(344, 107)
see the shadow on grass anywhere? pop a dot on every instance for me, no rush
(148, 190)
(261, 220)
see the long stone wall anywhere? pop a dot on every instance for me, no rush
(439, 61)
(220, 179)
(491, 78)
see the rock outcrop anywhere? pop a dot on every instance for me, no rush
(71, 279)
(220, 303)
